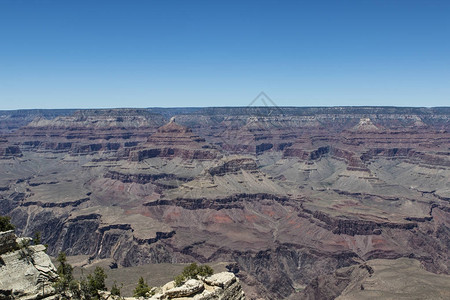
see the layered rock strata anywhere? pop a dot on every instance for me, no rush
(311, 191)
(174, 140)
(89, 131)
(7, 150)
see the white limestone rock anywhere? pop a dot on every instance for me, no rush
(190, 287)
(222, 280)
(27, 273)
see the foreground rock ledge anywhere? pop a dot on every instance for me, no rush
(220, 286)
(25, 272)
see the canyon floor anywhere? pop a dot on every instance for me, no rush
(282, 197)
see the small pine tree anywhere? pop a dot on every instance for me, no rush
(64, 269)
(24, 243)
(96, 281)
(115, 290)
(141, 289)
(5, 223)
(66, 281)
(37, 238)
(84, 291)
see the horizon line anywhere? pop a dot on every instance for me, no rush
(203, 107)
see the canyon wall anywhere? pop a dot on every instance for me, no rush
(282, 195)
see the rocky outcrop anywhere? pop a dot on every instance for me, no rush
(189, 288)
(365, 124)
(7, 241)
(26, 273)
(220, 286)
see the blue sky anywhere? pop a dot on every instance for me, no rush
(80, 54)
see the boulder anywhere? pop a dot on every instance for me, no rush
(190, 287)
(223, 280)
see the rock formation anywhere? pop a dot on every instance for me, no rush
(26, 272)
(365, 124)
(220, 286)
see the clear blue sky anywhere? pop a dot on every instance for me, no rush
(78, 54)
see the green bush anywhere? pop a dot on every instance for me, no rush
(193, 271)
(179, 280)
(5, 223)
(205, 270)
(141, 289)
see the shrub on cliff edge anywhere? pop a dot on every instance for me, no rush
(66, 281)
(5, 223)
(193, 271)
(87, 288)
(141, 289)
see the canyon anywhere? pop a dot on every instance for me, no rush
(286, 197)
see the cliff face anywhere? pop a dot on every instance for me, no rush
(88, 131)
(379, 279)
(9, 151)
(25, 272)
(310, 190)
